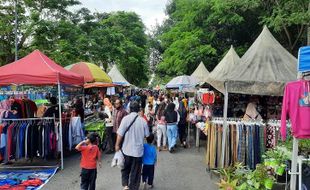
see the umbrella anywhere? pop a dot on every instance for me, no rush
(91, 72)
(181, 82)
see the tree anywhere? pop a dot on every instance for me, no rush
(200, 30)
(30, 14)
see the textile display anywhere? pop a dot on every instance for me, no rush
(24, 108)
(27, 139)
(25, 179)
(296, 107)
(246, 143)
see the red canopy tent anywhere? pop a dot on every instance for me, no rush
(37, 69)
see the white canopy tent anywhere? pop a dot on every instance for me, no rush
(182, 82)
(201, 73)
(117, 77)
(220, 73)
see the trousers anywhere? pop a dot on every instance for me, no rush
(131, 173)
(88, 179)
(172, 133)
(109, 138)
(182, 132)
(148, 174)
(161, 135)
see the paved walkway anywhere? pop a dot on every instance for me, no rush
(183, 170)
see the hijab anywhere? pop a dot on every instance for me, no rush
(251, 112)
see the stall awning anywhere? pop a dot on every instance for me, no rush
(37, 69)
(201, 73)
(91, 72)
(264, 69)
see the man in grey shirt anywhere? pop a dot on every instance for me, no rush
(132, 147)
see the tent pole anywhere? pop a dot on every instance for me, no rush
(60, 127)
(224, 125)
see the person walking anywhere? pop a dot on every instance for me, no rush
(182, 123)
(90, 156)
(108, 110)
(118, 114)
(172, 119)
(149, 161)
(161, 125)
(132, 131)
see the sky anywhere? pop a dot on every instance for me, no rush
(150, 11)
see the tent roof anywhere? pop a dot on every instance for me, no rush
(264, 69)
(183, 81)
(90, 71)
(220, 73)
(117, 77)
(37, 69)
(201, 73)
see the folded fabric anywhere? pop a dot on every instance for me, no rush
(32, 182)
(5, 186)
(18, 187)
(8, 182)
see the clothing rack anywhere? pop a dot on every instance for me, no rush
(30, 119)
(41, 119)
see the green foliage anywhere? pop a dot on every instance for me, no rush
(69, 37)
(237, 177)
(200, 30)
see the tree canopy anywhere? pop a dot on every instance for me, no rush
(200, 30)
(72, 36)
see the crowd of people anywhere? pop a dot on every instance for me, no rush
(135, 127)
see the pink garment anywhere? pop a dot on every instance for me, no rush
(296, 107)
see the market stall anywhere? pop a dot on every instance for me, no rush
(37, 69)
(263, 70)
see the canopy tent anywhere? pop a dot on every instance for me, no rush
(181, 82)
(93, 75)
(37, 69)
(201, 73)
(117, 77)
(265, 68)
(220, 73)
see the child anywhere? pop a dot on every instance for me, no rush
(90, 155)
(149, 161)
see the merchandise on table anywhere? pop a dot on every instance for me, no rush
(25, 179)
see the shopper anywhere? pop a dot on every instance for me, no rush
(149, 161)
(118, 114)
(132, 131)
(53, 109)
(182, 123)
(172, 118)
(108, 110)
(161, 125)
(90, 157)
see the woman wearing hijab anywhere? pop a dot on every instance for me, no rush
(108, 109)
(172, 119)
(182, 123)
(251, 112)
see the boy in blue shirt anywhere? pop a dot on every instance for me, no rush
(149, 161)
